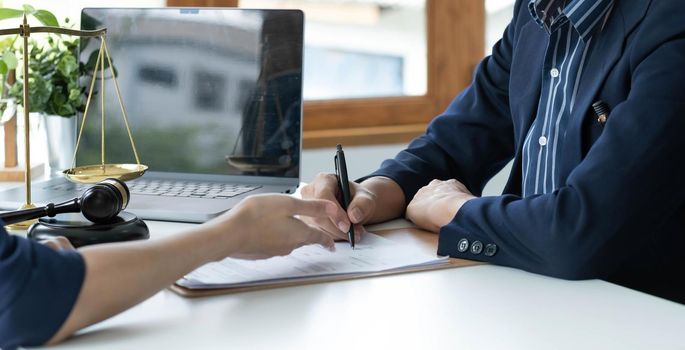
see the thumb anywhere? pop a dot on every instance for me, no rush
(362, 206)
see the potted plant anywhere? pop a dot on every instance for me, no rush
(54, 91)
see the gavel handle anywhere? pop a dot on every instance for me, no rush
(13, 217)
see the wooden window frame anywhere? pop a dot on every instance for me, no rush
(455, 44)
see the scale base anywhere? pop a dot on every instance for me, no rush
(81, 232)
(24, 224)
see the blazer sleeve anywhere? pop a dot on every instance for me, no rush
(630, 182)
(473, 139)
(39, 287)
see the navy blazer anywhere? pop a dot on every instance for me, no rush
(619, 213)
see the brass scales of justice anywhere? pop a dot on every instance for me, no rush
(86, 174)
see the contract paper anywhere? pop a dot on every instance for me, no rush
(373, 254)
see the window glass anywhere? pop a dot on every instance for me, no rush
(360, 48)
(498, 14)
(72, 8)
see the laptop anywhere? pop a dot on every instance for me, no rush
(214, 102)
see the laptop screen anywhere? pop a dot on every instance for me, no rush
(208, 91)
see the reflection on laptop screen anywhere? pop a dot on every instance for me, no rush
(210, 91)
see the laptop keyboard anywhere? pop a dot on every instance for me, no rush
(191, 189)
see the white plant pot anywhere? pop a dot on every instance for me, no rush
(61, 141)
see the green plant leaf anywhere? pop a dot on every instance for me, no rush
(10, 13)
(54, 72)
(29, 9)
(67, 65)
(6, 44)
(46, 17)
(3, 68)
(74, 95)
(39, 93)
(10, 59)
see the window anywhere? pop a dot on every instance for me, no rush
(328, 75)
(160, 76)
(498, 16)
(454, 37)
(360, 48)
(72, 8)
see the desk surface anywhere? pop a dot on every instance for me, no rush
(477, 307)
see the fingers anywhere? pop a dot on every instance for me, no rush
(51, 243)
(321, 209)
(317, 208)
(303, 234)
(362, 206)
(321, 213)
(58, 243)
(327, 226)
(324, 186)
(452, 184)
(358, 230)
(315, 236)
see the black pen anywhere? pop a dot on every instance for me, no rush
(344, 185)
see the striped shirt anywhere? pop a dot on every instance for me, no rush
(571, 25)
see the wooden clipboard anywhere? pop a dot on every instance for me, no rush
(427, 241)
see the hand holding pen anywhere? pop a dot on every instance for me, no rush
(361, 204)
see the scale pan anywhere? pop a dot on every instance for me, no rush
(90, 174)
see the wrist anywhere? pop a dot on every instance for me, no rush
(389, 197)
(218, 239)
(461, 201)
(449, 212)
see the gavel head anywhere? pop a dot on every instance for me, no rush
(103, 202)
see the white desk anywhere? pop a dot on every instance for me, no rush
(480, 307)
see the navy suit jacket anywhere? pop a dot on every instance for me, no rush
(619, 213)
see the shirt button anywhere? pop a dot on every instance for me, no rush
(554, 72)
(542, 141)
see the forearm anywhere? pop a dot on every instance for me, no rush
(121, 275)
(390, 202)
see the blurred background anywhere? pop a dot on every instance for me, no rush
(362, 53)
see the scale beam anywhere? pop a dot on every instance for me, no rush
(84, 174)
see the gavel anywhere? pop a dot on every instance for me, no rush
(100, 204)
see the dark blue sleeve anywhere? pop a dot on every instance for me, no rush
(38, 288)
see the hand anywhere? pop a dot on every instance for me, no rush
(263, 226)
(436, 204)
(58, 243)
(325, 186)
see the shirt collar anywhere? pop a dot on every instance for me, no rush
(586, 16)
